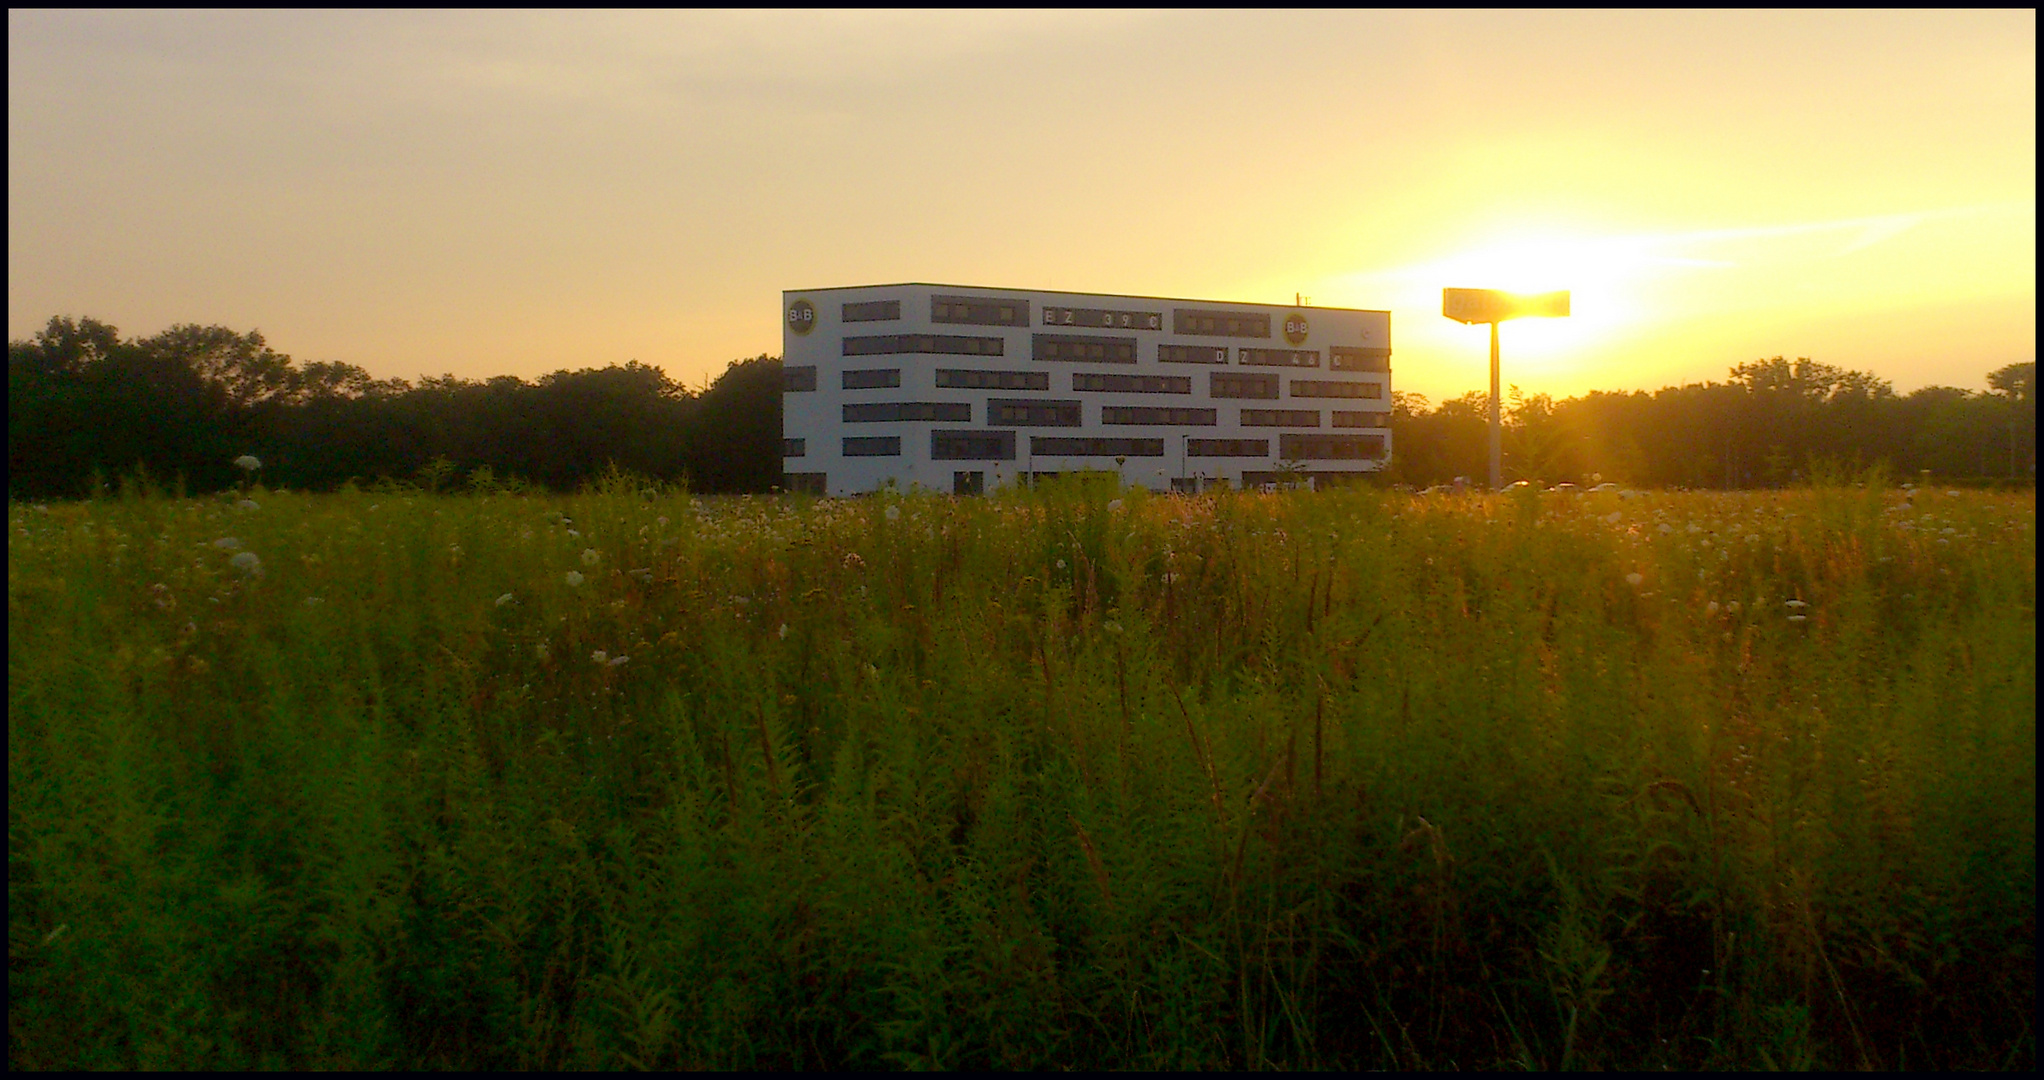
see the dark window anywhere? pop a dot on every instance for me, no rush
(1031, 412)
(979, 311)
(968, 483)
(1280, 357)
(1350, 358)
(1094, 350)
(944, 344)
(879, 412)
(972, 446)
(1048, 446)
(873, 446)
(796, 380)
(872, 378)
(794, 447)
(1330, 388)
(1227, 447)
(1201, 322)
(1231, 385)
(1192, 354)
(1330, 447)
(873, 311)
(1354, 418)
(812, 483)
(1157, 416)
(1281, 418)
(1133, 384)
(965, 379)
(1102, 319)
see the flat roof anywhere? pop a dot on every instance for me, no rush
(1069, 292)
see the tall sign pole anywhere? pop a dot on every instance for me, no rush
(1497, 430)
(1471, 306)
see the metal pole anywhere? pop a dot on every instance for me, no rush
(1497, 458)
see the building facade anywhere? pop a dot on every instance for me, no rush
(958, 388)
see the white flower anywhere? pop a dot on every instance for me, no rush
(1710, 608)
(893, 513)
(1634, 578)
(504, 599)
(574, 577)
(247, 463)
(1733, 607)
(784, 632)
(1799, 618)
(1794, 605)
(600, 656)
(590, 557)
(227, 543)
(616, 660)
(247, 563)
(1111, 627)
(1061, 564)
(247, 504)
(1113, 505)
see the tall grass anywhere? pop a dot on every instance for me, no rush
(1067, 777)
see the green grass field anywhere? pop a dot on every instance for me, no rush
(1060, 778)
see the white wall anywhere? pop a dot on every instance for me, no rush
(816, 417)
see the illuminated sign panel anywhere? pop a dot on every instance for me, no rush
(1491, 305)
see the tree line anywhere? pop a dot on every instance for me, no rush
(87, 408)
(1773, 422)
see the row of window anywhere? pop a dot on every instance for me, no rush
(1092, 349)
(1000, 446)
(1040, 412)
(1014, 311)
(1258, 386)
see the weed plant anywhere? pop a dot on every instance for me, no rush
(1068, 777)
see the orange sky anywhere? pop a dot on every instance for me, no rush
(484, 194)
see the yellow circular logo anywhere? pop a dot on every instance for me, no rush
(1295, 328)
(801, 316)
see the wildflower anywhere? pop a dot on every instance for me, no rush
(1111, 627)
(783, 632)
(1634, 578)
(853, 561)
(1114, 506)
(574, 578)
(227, 543)
(616, 660)
(247, 563)
(247, 463)
(1711, 608)
(1732, 607)
(600, 656)
(504, 599)
(1794, 605)
(1799, 618)
(247, 504)
(893, 513)
(1061, 564)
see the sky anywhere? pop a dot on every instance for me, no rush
(482, 194)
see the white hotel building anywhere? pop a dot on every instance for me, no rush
(957, 388)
